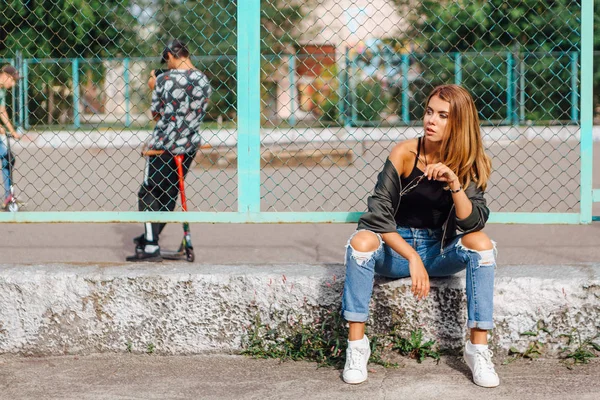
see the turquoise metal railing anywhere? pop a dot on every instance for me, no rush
(248, 64)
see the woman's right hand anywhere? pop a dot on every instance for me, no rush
(418, 273)
(420, 278)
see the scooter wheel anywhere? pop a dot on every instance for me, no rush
(189, 255)
(13, 207)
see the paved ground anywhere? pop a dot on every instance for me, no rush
(528, 176)
(273, 243)
(147, 377)
(90, 179)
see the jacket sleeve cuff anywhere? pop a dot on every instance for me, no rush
(373, 224)
(470, 222)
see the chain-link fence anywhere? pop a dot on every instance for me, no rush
(334, 85)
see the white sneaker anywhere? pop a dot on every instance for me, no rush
(357, 358)
(479, 360)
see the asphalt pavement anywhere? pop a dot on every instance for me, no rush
(108, 179)
(129, 376)
(274, 243)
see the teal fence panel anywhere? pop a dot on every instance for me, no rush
(308, 98)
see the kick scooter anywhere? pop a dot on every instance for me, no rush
(186, 250)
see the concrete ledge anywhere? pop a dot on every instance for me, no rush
(226, 157)
(182, 308)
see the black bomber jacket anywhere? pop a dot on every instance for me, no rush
(383, 205)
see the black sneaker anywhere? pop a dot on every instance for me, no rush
(140, 240)
(142, 255)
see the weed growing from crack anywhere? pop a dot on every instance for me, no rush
(150, 348)
(325, 340)
(577, 350)
(414, 347)
(584, 350)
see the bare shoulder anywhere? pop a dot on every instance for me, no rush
(403, 155)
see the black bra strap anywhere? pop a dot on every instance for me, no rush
(418, 152)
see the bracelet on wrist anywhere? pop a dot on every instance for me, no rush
(455, 191)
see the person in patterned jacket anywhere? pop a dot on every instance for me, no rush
(179, 103)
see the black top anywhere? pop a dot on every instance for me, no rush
(385, 200)
(425, 206)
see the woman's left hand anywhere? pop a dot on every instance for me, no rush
(440, 172)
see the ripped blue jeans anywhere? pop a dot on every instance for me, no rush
(454, 257)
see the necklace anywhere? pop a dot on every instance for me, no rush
(415, 182)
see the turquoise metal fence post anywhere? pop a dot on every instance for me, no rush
(509, 82)
(25, 83)
(457, 68)
(405, 105)
(515, 87)
(522, 90)
(574, 73)
(248, 103)
(75, 73)
(348, 109)
(13, 102)
(587, 112)
(19, 66)
(352, 86)
(342, 90)
(292, 79)
(127, 95)
(11, 62)
(248, 123)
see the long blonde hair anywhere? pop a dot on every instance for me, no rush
(462, 147)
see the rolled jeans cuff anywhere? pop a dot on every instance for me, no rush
(354, 317)
(485, 325)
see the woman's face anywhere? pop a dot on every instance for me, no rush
(436, 119)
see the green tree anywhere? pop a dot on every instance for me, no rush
(68, 28)
(210, 28)
(541, 34)
(65, 29)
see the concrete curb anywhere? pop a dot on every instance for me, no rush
(227, 137)
(180, 308)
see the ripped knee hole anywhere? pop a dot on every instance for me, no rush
(488, 257)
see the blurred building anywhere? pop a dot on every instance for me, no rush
(344, 23)
(329, 31)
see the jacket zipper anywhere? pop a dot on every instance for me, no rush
(444, 231)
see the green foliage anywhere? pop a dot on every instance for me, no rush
(150, 348)
(480, 25)
(65, 29)
(369, 101)
(325, 340)
(498, 30)
(326, 97)
(414, 347)
(329, 109)
(534, 350)
(210, 29)
(578, 350)
(583, 353)
(68, 28)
